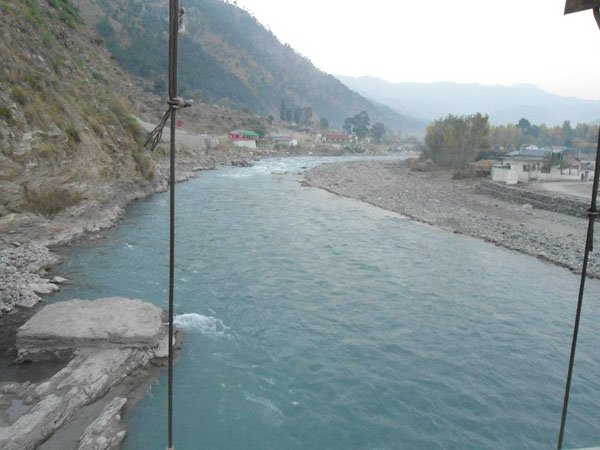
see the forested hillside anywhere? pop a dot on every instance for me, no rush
(228, 57)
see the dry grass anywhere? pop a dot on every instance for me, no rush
(19, 95)
(49, 201)
(478, 169)
(136, 131)
(144, 164)
(5, 114)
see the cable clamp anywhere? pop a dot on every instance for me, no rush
(593, 213)
(179, 103)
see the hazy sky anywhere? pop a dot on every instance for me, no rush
(503, 42)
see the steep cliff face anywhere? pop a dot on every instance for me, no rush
(65, 120)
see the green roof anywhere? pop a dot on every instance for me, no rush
(247, 133)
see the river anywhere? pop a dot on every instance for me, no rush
(314, 321)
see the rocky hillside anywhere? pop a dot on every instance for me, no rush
(228, 57)
(71, 154)
(69, 139)
(64, 127)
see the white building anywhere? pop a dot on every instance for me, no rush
(531, 164)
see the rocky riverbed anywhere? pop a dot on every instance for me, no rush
(103, 343)
(455, 205)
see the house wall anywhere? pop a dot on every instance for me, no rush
(515, 176)
(509, 174)
(247, 144)
(500, 173)
(556, 174)
(516, 169)
(558, 177)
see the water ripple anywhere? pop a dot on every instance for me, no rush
(353, 328)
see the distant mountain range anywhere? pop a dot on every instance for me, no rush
(228, 57)
(504, 104)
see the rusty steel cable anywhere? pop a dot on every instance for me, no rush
(173, 23)
(589, 246)
(175, 103)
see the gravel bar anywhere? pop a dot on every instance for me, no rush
(454, 205)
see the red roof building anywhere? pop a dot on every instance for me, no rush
(337, 137)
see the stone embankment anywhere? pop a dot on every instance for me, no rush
(557, 203)
(459, 206)
(105, 342)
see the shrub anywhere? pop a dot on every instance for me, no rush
(479, 169)
(57, 64)
(5, 114)
(420, 166)
(48, 39)
(19, 94)
(73, 135)
(95, 126)
(49, 201)
(34, 17)
(56, 115)
(68, 13)
(136, 131)
(33, 81)
(36, 113)
(49, 153)
(144, 164)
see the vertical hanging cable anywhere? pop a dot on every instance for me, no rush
(173, 27)
(175, 103)
(589, 244)
(589, 247)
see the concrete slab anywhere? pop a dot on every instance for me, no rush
(114, 322)
(106, 340)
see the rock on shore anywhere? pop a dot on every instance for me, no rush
(454, 205)
(22, 270)
(98, 324)
(107, 340)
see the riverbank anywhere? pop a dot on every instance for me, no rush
(26, 239)
(454, 205)
(108, 347)
(27, 242)
(27, 256)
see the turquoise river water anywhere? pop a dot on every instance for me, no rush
(313, 321)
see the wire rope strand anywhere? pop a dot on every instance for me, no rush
(592, 214)
(173, 44)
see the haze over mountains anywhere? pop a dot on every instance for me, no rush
(504, 104)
